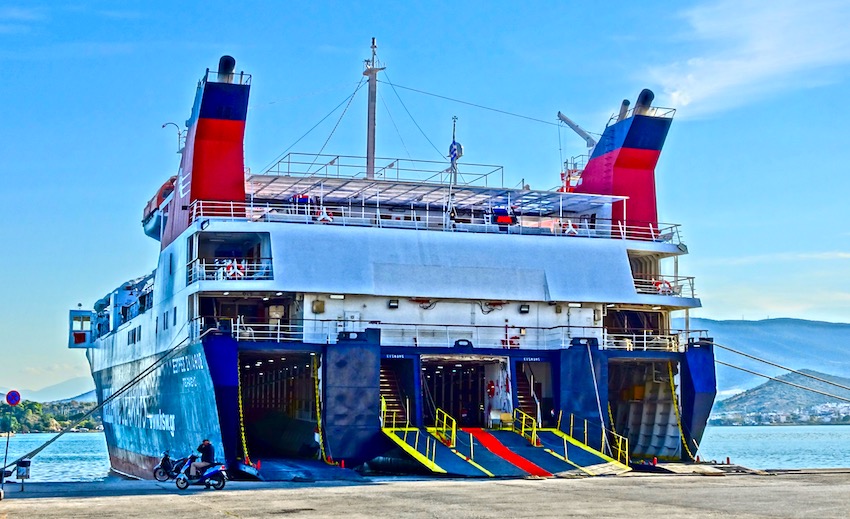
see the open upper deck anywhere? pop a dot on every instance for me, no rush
(422, 195)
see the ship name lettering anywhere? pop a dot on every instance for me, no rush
(186, 363)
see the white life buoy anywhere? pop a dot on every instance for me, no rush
(235, 270)
(569, 229)
(663, 287)
(323, 215)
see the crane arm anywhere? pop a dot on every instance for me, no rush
(591, 142)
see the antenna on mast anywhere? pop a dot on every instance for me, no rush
(372, 69)
(455, 151)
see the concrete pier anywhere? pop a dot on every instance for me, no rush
(821, 493)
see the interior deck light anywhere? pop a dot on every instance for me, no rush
(392, 303)
(336, 296)
(524, 309)
(574, 305)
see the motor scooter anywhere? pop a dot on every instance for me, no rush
(168, 468)
(214, 476)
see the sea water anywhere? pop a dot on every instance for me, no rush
(779, 446)
(83, 457)
(73, 457)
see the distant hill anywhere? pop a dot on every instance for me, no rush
(795, 343)
(775, 402)
(58, 391)
(773, 396)
(89, 396)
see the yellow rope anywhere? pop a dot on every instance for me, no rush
(319, 413)
(676, 407)
(241, 416)
(611, 418)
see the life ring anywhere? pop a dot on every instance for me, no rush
(491, 389)
(569, 229)
(323, 215)
(234, 270)
(663, 287)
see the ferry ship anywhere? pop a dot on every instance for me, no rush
(405, 315)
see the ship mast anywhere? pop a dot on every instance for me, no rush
(372, 70)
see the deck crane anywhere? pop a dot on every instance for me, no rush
(591, 142)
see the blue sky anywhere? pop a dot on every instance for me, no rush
(755, 166)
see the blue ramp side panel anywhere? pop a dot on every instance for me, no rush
(577, 455)
(699, 388)
(222, 353)
(537, 455)
(351, 399)
(578, 391)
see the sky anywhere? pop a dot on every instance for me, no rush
(755, 167)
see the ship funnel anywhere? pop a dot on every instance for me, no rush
(226, 66)
(644, 101)
(624, 109)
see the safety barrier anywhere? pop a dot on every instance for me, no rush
(438, 219)
(677, 286)
(525, 425)
(617, 444)
(446, 428)
(410, 439)
(229, 269)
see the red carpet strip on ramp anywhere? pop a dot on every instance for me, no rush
(495, 446)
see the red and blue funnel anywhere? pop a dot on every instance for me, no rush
(213, 165)
(623, 163)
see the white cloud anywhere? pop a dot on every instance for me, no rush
(750, 49)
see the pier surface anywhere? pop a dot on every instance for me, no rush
(817, 493)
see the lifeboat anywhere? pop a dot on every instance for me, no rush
(152, 215)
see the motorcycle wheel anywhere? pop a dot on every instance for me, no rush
(159, 474)
(182, 483)
(217, 482)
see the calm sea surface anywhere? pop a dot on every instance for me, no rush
(82, 456)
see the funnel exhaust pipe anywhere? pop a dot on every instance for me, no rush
(226, 66)
(624, 110)
(644, 101)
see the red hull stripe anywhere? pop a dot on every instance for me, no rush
(496, 447)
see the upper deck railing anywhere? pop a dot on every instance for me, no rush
(456, 336)
(397, 169)
(650, 111)
(432, 220)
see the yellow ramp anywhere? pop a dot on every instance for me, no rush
(589, 460)
(419, 445)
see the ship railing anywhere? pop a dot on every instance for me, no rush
(679, 286)
(595, 435)
(647, 340)
(229, 269)
(237, 78)
(436, 219)
(482, 336)
(396, 169)
(651, 111)
(317, 331)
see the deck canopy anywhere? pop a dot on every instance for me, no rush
(406, 183)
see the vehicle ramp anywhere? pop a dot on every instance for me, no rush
(497, 452)
(432, 453)
(579, 455)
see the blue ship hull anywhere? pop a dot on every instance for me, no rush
(195, 395)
